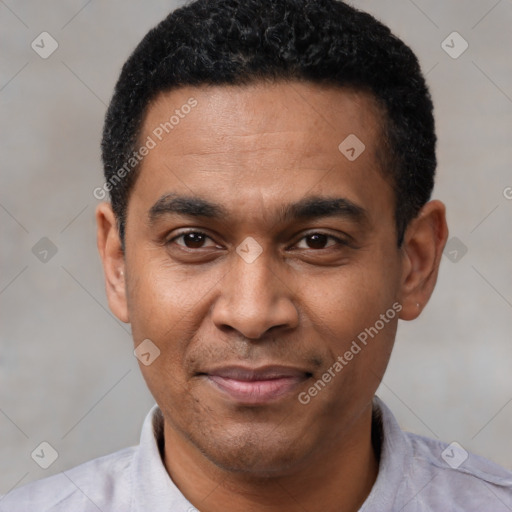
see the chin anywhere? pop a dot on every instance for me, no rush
(255, 452)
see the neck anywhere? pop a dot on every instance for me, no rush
(337, 476)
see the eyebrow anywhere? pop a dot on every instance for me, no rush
(307, 208)
(185, 205)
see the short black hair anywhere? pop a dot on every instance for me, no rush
(238, 42)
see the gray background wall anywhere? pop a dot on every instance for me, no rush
(67, 372)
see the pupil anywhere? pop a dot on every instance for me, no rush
(194, 240)
(317, 241)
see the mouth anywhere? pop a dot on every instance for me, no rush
(256, 386)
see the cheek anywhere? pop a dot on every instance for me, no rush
(355, 312)
(168, 306)
(352, 297)
(359, 341)
(162, 298)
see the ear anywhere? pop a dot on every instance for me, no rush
(422, 250)
(112, 257)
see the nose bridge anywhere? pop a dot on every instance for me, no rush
(253, 298)
(252, 287)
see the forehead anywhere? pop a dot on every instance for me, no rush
(262, 141)
(261, 109)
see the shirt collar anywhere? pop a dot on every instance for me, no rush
(395, 455)
(153, 489)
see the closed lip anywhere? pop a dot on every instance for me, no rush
(268, 372)
(256, 386)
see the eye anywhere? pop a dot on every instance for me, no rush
(192, 240)
(320, 241)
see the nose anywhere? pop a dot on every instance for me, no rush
(255, 298)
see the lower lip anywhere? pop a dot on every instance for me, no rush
(256, 391)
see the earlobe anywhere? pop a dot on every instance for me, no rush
(422, 250)
(112, 257)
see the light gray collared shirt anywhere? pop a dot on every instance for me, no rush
(416, 474)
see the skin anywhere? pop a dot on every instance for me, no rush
(253, 150)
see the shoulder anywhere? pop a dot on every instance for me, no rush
(103, 483)
(445, 473)
(420, 474)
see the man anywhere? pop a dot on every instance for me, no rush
(270, 166)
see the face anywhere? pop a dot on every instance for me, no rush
(257, 253)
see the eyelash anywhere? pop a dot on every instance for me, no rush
(338, 241)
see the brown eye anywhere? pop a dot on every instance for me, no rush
(192, 240)
(319, 241)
